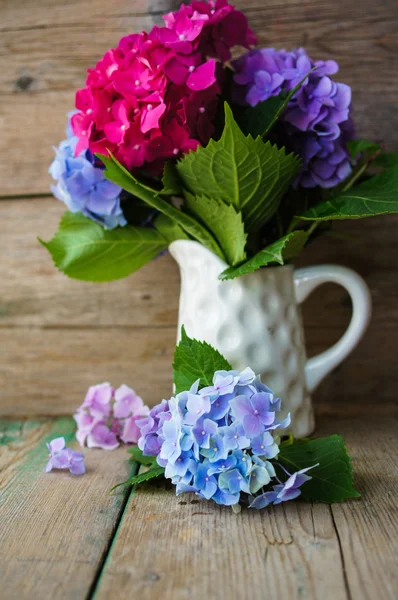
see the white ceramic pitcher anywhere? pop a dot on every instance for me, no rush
(255, 320)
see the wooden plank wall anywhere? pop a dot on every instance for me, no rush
(57, 336)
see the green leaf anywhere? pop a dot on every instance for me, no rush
(118, 174)
(284, 249)
(356, 147)
(152, 472)
(195, 360)
(137, 456)
(260, 119)
(376, 196)
(247, 173)
(84, 250)
(224, 223)
(332, 480)
(169, 229)
(171, 181)
(386, 160)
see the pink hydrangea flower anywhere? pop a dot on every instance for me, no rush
(161, 86)
(108, 417)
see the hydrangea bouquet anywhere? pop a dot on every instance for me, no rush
(218, 438)
(173, 138)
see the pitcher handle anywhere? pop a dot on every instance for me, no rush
(306, 281)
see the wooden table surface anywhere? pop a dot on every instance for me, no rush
(65, 537)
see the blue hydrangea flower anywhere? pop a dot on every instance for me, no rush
(218, 443)
(81, 185)
(317, 122)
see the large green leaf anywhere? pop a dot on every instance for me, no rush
(224, 222)
(84, 250)
(332, 480)
(376, 196)
(247, 173)
(118, 174)
(284, 249)
(260, 119)
(195, 360)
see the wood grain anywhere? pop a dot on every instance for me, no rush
(175, 548)
(46, 372)
(55, 528)
(368, 529)
(44, 54)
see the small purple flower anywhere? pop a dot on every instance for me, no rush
(102, 437)
(150, 427)
(98, 400)
(265, 85)
(85, 424)
(65, 458)
(284, 492)
(255, 413)
(127, 402)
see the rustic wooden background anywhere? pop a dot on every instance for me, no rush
(58, 336)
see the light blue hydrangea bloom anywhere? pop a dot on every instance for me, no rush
(81, 184)
(218, 442)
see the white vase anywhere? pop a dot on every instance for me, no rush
(255, 320)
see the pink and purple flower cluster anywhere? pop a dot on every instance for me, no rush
(108, 417)
(317, 122)
(154, 97)
(218, 442)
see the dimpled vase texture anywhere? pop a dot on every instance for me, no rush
(253, 321)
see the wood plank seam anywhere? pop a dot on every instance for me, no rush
(343, 563)
(112, 540)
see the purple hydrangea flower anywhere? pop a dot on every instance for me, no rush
(65, 458)
(255, 413)
(317, 122)
(82, 186)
